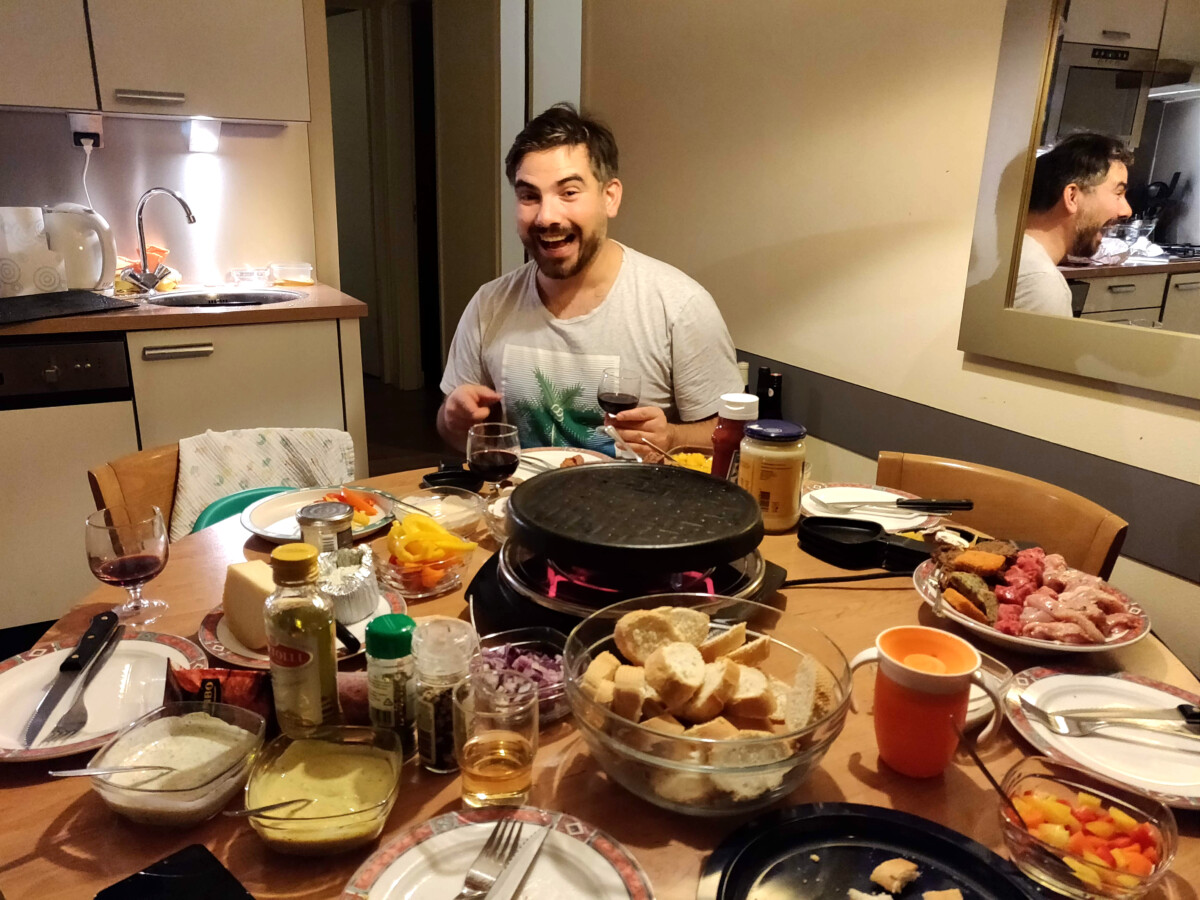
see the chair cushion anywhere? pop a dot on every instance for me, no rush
(218, 463)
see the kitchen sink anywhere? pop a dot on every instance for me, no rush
(248, 297)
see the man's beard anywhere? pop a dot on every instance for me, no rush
(561, 269)
(1087, 240)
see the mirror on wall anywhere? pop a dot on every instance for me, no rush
(1086, 252)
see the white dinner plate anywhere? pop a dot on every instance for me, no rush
(554, 457)
(130, 685)
(1169, 772)
(217, 638)
(926, 582)
(430, 861)
(862, 493)
(274, 517)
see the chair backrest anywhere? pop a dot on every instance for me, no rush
(1008, 505)
(142, 478)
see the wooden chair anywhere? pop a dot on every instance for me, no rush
(1008, 505)
(139, 479)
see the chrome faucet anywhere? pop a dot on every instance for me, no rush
(146, 279)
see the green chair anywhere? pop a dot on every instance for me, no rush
(231, 505)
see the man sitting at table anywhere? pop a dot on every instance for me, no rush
(1078, 191)
(536, 341)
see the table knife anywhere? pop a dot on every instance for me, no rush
(508, 882)
(1184, 713)
(89, 645)
(916, 505)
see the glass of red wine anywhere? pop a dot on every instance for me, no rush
(127, 547)
(618, 392)
(493, 451)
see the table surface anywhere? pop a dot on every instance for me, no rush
(60, 841)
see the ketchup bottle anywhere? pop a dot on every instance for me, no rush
(736, 410)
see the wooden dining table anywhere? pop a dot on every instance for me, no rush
(58, 840)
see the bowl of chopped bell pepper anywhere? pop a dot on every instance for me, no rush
(428, 552)
(1085, 836)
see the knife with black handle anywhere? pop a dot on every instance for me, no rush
(89, 645)
(915, 504)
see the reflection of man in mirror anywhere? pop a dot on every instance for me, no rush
(1078, 191)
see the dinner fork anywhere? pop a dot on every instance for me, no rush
(1071, 727)
(75, 718)
(501, 845)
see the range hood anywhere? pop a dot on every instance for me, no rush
(1184, 90)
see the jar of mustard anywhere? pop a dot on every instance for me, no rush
(772, 469)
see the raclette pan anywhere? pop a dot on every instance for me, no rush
(859, 544)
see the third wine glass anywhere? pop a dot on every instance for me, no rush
(493, 451)
(128, 547)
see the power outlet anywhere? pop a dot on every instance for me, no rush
(86, 125)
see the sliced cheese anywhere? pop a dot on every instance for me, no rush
(247, 586)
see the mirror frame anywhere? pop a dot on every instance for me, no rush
(1156, 360)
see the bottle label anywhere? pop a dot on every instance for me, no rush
(288, 657)
(303, 678)
(735, 463)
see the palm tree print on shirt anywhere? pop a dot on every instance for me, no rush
(556, 418)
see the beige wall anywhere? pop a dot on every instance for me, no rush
(816, 167)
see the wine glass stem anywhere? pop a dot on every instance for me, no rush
(135, 603)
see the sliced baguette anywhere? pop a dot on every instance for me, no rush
(691, 624)
(720, 681)
(675, 671)
(752, 697)
(652, 704)
(737, 755)
(751, 654)
(600, 669)
(629, 691)
(723, 643)
(666, 725)
(640, 633)
(718, 729)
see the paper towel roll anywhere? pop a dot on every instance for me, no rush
(27, 264)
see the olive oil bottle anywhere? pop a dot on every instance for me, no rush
(301, 643)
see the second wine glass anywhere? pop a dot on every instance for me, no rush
(618, 392)
(128, 547)
(493, 451)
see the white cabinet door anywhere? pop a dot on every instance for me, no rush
(1117, 23)
(1125, 292)
(189, 380)
(44, 55)
(1181, 312)
(229, 59)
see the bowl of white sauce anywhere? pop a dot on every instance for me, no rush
(207, 749)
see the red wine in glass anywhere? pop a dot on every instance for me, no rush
(126, 571)
(494, 465)
(613, 402)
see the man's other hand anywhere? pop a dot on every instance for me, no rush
(647, 422)
(465, 406)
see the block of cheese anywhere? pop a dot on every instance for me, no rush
(247, 586)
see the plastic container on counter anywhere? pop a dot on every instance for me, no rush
(772, 470)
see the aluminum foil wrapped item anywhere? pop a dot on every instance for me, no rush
(346, 577)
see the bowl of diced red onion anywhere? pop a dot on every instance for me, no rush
(536, 653)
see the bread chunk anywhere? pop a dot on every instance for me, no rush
(852, 894)
(629, 691)
(602, 668)
(666, 724)
(961, 604)
(640, 633)
(752, 697)
(952, 894)
(676, 671)
(718, 729)
(979, 562)
(743, 785)
(684, 788)
(691, 624)
(652, 703)
(720, 680)
(894, 874)
(751, 654)
(723, 643)
(975, 589)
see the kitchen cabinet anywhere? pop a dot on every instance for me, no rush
(1181, 309)
(189, 380)
(46, 59)
(1125, 292)
(1116, 23)
(227, 59)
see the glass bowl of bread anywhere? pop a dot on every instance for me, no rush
(704, 705)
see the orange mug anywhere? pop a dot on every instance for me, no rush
(922, 690)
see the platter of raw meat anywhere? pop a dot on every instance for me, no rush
(1028, 599)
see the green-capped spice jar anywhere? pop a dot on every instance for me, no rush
(390, 671)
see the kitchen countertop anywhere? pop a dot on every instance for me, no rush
(1174, 267)
(321, 302)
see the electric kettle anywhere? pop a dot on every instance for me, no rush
(85, 242)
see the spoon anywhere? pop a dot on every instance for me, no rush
(108, 770)
(259, 810)
(623, 449)
(970, 748)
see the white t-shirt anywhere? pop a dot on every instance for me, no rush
(655, 321)
(1040, 288)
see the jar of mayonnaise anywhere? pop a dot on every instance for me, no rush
(772, 468)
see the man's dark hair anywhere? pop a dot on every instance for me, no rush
(563, 126)
(1082, 159)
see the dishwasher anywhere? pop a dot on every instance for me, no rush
(66, 405)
